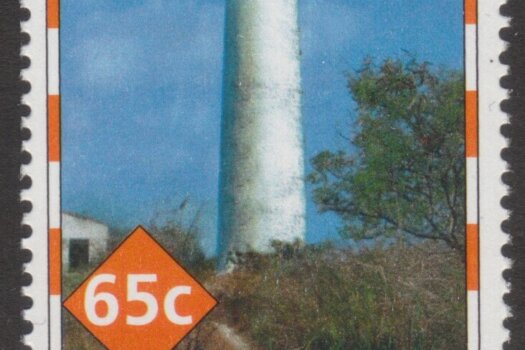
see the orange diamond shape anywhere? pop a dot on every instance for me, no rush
(140, 298)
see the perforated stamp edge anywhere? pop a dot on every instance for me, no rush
(484, 118)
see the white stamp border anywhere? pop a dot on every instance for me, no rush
(486, 309)
(492, 309)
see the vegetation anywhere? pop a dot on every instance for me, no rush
(328, 298)
(398, 297)
(75, 336)
(181, 238)
(403, 174)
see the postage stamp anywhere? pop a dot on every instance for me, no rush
(265, 174)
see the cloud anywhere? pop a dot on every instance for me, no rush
(157, 42)
(328, 27)
(104, 65)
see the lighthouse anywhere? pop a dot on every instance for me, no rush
(261, 189)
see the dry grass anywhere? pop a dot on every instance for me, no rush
(327, 298)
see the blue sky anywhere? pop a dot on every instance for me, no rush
(141, 94)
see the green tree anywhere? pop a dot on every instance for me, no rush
(403, 174)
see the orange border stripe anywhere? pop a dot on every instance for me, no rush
(471, 16)
(55, 261)
(472, 257)
(54, 128)
(53, 13)
(471, 124)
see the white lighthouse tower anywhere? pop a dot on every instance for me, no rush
(262, 166)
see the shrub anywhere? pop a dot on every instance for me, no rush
(397, 297)
(178, 231)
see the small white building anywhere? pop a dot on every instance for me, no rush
(84, 240)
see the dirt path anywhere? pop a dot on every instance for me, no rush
(230, 336)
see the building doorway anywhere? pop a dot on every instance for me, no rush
(78, 253)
